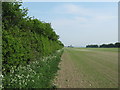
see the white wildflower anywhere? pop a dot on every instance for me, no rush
(23, 81)
(1, 76)
(32, 80)
(1, 86)
(19, 83)
(12, 70)
(28, 76)
(19, 76)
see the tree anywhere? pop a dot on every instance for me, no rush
(117, 44)
(12, 14)
(92, 46)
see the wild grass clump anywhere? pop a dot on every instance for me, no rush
(37, 74)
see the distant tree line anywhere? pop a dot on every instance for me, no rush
(111, 45)
(92, 46)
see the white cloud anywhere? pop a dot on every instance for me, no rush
(71, 9)
(84, 14)
(81, 19)
(85, 26)
(105, 18)
(81, 13)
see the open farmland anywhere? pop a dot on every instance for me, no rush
(88, 68)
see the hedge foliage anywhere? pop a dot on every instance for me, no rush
(25, 39)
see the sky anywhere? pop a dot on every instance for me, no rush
(79, 23)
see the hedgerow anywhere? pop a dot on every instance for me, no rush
(26, 40)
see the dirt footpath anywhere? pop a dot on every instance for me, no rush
(68, 76)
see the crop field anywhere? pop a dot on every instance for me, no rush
(88, 68)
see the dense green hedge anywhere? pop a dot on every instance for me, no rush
(25, 39)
